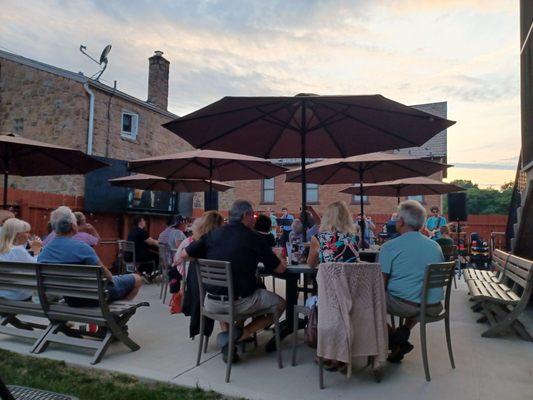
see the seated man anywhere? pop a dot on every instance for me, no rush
(239, 244)
(63, 249)
(445, 238)
(403, 262)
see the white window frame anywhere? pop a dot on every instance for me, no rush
(134, 125)
(419, 197)
(356, 199)
(312, 187)
(265, 189)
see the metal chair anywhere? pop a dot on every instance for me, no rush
(12, 392)
(164, 251)
(436, 276)
(219, 274)
(297, 311)
(127, 259)
(450, 253)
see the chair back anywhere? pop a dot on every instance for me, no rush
(126, 256)
(437, 276)
(164, 256)
(519, 275)
(214, 273)
(450, 252)
(75, 283)
(20, 277)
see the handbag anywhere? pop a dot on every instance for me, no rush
(175, 302)
(311, 329)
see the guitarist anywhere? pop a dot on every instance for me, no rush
(434, 223)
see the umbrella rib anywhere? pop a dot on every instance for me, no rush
(78, 171)
(376, 128)
(251, 169)
(324, 126)
(388, 111)
(328, 119)
(230, 131)
(267, 154)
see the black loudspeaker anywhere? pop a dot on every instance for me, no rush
(457, 207)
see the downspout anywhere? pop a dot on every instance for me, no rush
(91, 119)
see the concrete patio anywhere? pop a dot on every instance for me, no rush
(487, 369)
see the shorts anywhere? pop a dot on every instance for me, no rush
(261, 299)
(121, 287)
(399, 308)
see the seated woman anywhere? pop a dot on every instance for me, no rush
(146, 248)
(295, 245)
(337, 239)
(14, 236)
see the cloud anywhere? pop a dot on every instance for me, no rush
(506, 167)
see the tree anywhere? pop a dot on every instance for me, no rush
(485, 201)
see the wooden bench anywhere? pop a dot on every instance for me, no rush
(23, 277)
(497, 272)
(504, 295)
(74, 283)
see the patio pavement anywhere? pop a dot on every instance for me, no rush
(486, 369)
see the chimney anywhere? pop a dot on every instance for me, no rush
(158, 80)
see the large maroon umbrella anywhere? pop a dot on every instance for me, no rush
(307, 126)
(151, 182)
(366, 168)
(207, 164)
(26, 157)
(405, 187)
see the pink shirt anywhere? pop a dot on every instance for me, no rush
(80, 236)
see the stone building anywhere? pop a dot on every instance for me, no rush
(276, 193)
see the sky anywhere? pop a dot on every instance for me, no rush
(462, 52)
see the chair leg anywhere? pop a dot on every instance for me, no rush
(321, 372)
(278, 340)
(206, 343)
(454, 281)
(165, 291)
(424, 350)
(230, 351)
(449, 340)
(393, 321)
(200, 340)
(274, 284)
(294, 337)
(161, 291)
(103, 348)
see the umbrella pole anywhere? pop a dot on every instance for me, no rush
(5, 189)
(303, 135)
(210, 191)
(361, 202)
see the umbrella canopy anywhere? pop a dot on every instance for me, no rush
(405, 187)
(307, 126)
(26, 157)
(366, 168)
(151, 182)
(207, 164)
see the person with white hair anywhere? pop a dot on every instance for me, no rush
(65, 250)
(14, 237)
(403, 262)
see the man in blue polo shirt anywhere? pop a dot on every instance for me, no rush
(403, 262)
(65, 250)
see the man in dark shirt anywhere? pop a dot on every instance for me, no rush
(237, 243)
(146, 249)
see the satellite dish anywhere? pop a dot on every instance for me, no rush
(105, 52)
(103, 60)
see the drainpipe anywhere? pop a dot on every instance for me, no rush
(91, 119)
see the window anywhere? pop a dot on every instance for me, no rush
(130, 123)
(312, 193)
(268, 190)
(356, 199)
(419, 198)
(18, 125)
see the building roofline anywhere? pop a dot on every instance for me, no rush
(79, 77)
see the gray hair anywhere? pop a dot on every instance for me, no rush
(412, 213)
(62, 219)
(238, 209)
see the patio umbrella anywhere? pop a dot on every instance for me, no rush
(26, 157)
(405, 187)
(366, 168)
(207, 164)
(151, 182)
(307, 126)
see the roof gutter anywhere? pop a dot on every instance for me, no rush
(91, 119)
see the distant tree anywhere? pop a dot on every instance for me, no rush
(484, 201)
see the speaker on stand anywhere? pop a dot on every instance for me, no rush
(458, 213)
